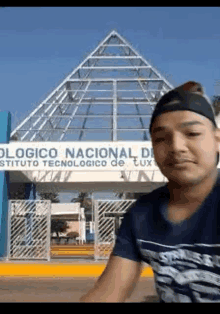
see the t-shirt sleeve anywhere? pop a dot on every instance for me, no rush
(125, 244)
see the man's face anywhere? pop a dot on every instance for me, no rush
(185, 146)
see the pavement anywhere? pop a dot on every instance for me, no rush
(70, 273)
(58, 289)
(61, 280)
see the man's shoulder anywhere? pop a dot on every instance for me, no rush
(160, 192)
(148, 200)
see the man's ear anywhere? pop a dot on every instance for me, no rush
(217, 137)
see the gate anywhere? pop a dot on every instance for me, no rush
(29, 229)
(108, 217)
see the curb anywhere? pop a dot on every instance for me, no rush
(57, 270)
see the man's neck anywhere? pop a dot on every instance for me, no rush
(191, 195)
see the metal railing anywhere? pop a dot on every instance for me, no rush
(108, 217)
(29, 229)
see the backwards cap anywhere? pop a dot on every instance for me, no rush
(189, 96)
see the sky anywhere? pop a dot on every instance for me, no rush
(39, 46)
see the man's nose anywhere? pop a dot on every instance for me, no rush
(177, 143)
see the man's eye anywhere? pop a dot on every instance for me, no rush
(193, 134)
(157, 140)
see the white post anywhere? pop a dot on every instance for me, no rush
(79, 225)
(83, 224)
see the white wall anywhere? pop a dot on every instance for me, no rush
(65, 208)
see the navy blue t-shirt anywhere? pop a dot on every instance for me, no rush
(185, 257)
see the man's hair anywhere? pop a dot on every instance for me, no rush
(192, 87)
(195, 88)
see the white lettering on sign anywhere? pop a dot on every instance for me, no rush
(108, 156)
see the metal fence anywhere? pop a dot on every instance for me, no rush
(108, 217)
(29, 229)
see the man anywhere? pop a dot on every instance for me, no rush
(175, 227)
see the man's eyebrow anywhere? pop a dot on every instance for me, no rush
(182, 125)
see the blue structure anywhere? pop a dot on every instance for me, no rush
(30, 190)
(5, 131)
(90, 237)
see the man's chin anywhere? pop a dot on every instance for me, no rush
(188, 176)
(182, 183)
(182, 178)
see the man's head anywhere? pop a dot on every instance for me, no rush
(184, 135)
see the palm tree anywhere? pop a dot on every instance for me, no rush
(14, 137)
(216, 104)
(129, 195)
(53, 197)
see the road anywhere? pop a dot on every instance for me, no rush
(52, 282)
(63, 289)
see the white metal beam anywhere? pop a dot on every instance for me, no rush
(159, 75)
(101, 116)
(80, 90)
(42, 125)
(39, 117)
(101, 128)
(115, 57)
(135, 79)
(109, 90)
(79, 99)
(114, 67)
(114, 45)
(58, 87)
(97, 102)
(70, 119)
(114, 111)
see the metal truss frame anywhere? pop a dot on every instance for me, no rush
(114, 74)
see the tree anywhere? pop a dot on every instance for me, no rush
(14, 137)
(17, 191)
(85, 202)
(52, 196)
(216, 104)
(72, 235)
(58, 225)
(129, 195)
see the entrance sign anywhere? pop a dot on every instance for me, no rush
(76, 156)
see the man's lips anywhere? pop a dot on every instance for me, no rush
(179, 162)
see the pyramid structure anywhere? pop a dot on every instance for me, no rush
(110, 96)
